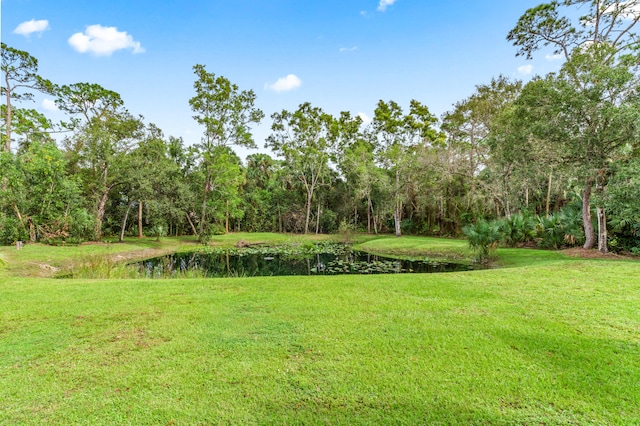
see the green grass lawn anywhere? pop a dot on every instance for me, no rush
(418, 247)
(549, 339)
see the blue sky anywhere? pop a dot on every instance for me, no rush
(337, 54)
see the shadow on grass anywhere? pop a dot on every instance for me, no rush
(604, 372)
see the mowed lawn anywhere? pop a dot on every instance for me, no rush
(554, 341)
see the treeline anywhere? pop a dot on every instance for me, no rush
(562, 146)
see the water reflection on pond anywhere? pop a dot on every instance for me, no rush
(333, 262)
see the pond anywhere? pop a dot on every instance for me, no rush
(324, 260)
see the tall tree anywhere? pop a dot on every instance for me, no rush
(187, 179)
(597, 85)
(399, 135)
(28, 126)
(226, 114)
(154, 184)
(345, 131)
(469, 125)
(20, 71)
(104, 134)
(262, 194)
(39, 191)
(303, 138)
(358, 165)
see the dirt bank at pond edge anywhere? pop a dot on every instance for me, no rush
(595, 254)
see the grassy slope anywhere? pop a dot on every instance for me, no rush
(418, 247)
(551, 340)
(38, 260)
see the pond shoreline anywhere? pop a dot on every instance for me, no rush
(261, 260)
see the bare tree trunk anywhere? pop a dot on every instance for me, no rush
(15, 208)
(505, 195)
(140, 219)
(193, 227)
(368, 215)
(472, 168)
(396, 219)
(375, 220)
(548, 194)
(100, 214)
(397, 209)
(226, 220)
(8, 116)
(207, 183)
(602, 230)
(124, 222)
(202, 216)
(318, 220)
(32, 230)
(355, 216)
(306, 221)
(589, 233)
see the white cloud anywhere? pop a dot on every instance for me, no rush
(382, 6)
(103, 41)
(554, 57)
(49, 105)
(629, 9)
(348, 49)
(284, 84)
(365, 118)
(626, 10)
(29, 27)
(525, 69)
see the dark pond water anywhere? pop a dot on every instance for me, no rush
(344, 261)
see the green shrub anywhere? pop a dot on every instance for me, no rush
(81, 225)
(408, 226)
(483, 237)
(562, 229)
(328, 222)
(622, 206)
(517, 229)
(11, 230)
(158, 231)
(626, 241)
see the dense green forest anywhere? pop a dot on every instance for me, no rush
(552, 162)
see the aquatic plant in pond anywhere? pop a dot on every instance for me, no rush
(322, 259)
